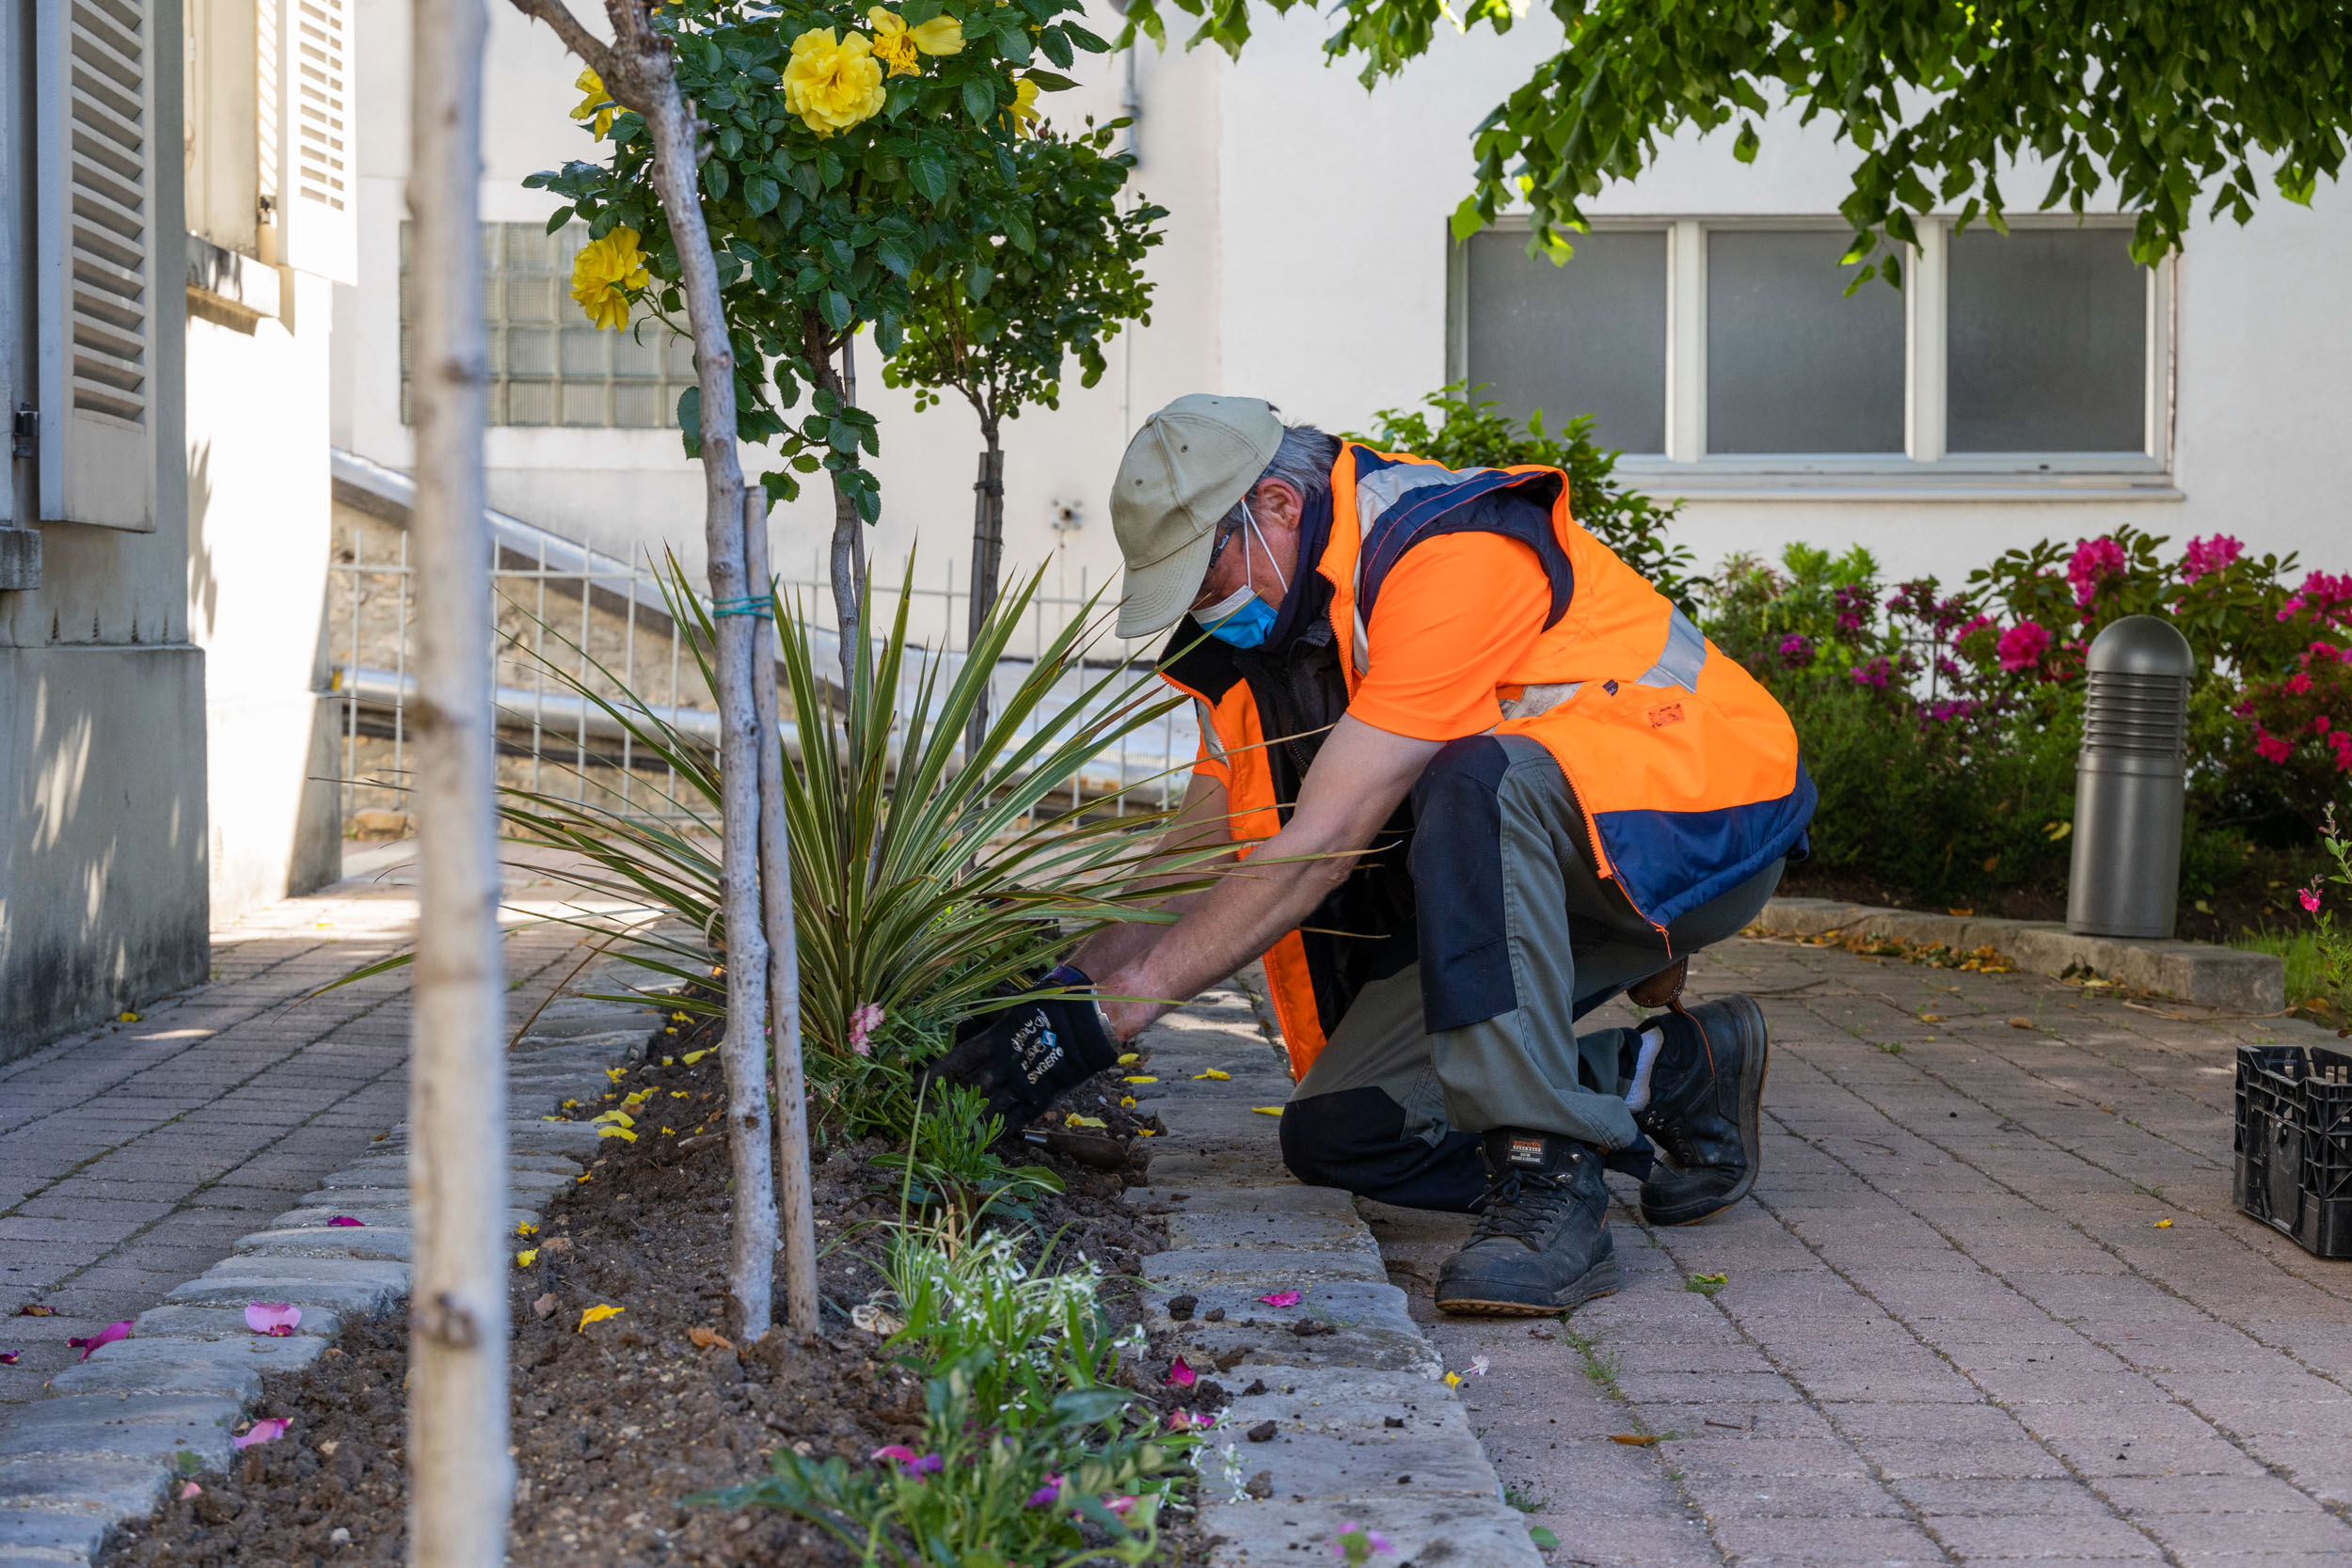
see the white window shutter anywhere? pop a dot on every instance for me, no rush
(317, 196)
(97, 259)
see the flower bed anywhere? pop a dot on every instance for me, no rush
(1942, 728)
(621, 1416)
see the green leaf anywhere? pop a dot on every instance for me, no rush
(717, 179)
(1744, 146)
(977, 279)
(1542, 1538)
(1084, 39)
(557, 219)
(928, 172)
(1048, 81)
(833, 309)
(979, 99)
(690, 419)
(761, 193)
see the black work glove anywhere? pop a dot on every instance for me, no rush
(1028, 1055)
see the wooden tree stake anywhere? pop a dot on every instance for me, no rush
(460, 1479)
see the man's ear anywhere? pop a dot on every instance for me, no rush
(1276, 503)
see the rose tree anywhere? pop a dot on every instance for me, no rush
(845, 151)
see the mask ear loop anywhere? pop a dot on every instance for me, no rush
(1249, 520)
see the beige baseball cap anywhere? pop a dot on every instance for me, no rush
(1185, 469)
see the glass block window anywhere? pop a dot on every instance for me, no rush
(1587, 337)
(548, 365)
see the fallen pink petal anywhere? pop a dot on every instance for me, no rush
(1281, 1298)
(1118, 1505)
(189, 1489)
(8, 1358)
(277, 1319)
(346, 1219)
(105, 1337)
(1180, 1375)
(268, 1431)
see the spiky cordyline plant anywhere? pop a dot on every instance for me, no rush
(923, 880)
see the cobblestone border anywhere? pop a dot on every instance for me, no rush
(1357, 1422)
(2225, 978)
(143, 1413)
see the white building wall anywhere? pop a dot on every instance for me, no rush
(1307, 262)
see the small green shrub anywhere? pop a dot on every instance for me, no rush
(951, 1161)
(1458, 428)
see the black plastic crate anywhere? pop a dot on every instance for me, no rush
(2295, 1143)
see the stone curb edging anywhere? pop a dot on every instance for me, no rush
(2225, 978)
(119, 1429)
(1363, 1428)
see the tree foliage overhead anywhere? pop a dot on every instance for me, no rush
(1068, 289)
(829, 185)
(2154, 101)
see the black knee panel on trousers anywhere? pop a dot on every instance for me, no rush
(1354, 1140)
(1456, 861)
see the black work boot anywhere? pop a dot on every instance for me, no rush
(1705, 1111)
(1542, 1244)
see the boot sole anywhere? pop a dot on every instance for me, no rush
(1597, 1281)
(1751, 1018)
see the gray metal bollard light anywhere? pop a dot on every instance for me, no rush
(2129, 780)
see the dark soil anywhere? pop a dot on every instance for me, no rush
(615, 1424)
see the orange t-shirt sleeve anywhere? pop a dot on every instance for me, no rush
(1455, 617)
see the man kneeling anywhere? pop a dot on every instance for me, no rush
(1485, 778)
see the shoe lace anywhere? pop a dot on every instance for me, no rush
(1523, 1205)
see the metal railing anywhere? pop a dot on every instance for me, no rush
(603, 621)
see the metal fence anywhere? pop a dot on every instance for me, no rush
(603, 622)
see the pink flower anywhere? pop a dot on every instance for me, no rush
(1356, 1544)
(1873, 673)
(2095, 562)
(346, 1219)
(277, 1319)
(2270, 748)
(1180, 1375)
(2287, 611)
(1118, 1505)
(1185, 1421)
(2208, 555)
(2341, 741)
(2320, 724)
(1796, 650)
(1281, 1298)
(908, 1460)
(2022, 646)
(2310, 901)
(104, 1338)
(863, 1024)
(2327, 590)
(269, 1431)
(2298, 683)
(1969, 627)
(1047, 1494)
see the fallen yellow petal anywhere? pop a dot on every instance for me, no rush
(1217, 1073)
(678, 1017)
(1146, 1132)
(524, 1259)
(621, 1116)
(126, 1018)
(569, 1104)
(1126, 1099)
(616, 1132)
(1453, 1380)
(526, 1228)
(615, 1075)
(590, 1175)
(1267, 1110)
(597, 1314)
(1074, 1119)
(1145, 1078)
(1128, 1059)
(694, 1056)
(2164, 1225)
(551, 1119)
(670, 1061)
(668, 1133)
(677, 1093)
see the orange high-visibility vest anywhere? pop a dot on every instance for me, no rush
(1684, 768)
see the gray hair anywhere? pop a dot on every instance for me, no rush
(1303, 462)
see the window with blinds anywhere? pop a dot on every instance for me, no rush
(316, 190)
(548, 365)
(96, 260)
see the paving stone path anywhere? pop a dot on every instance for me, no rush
(1952, 1327)
(134, 1157)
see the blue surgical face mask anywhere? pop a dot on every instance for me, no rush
(1241, 618)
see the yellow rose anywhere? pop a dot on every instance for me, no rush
(897, 42)
(1024, 115)
(603, 270)
(597, 108)
(833, 84)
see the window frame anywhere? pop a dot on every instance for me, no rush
(1924, 469)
